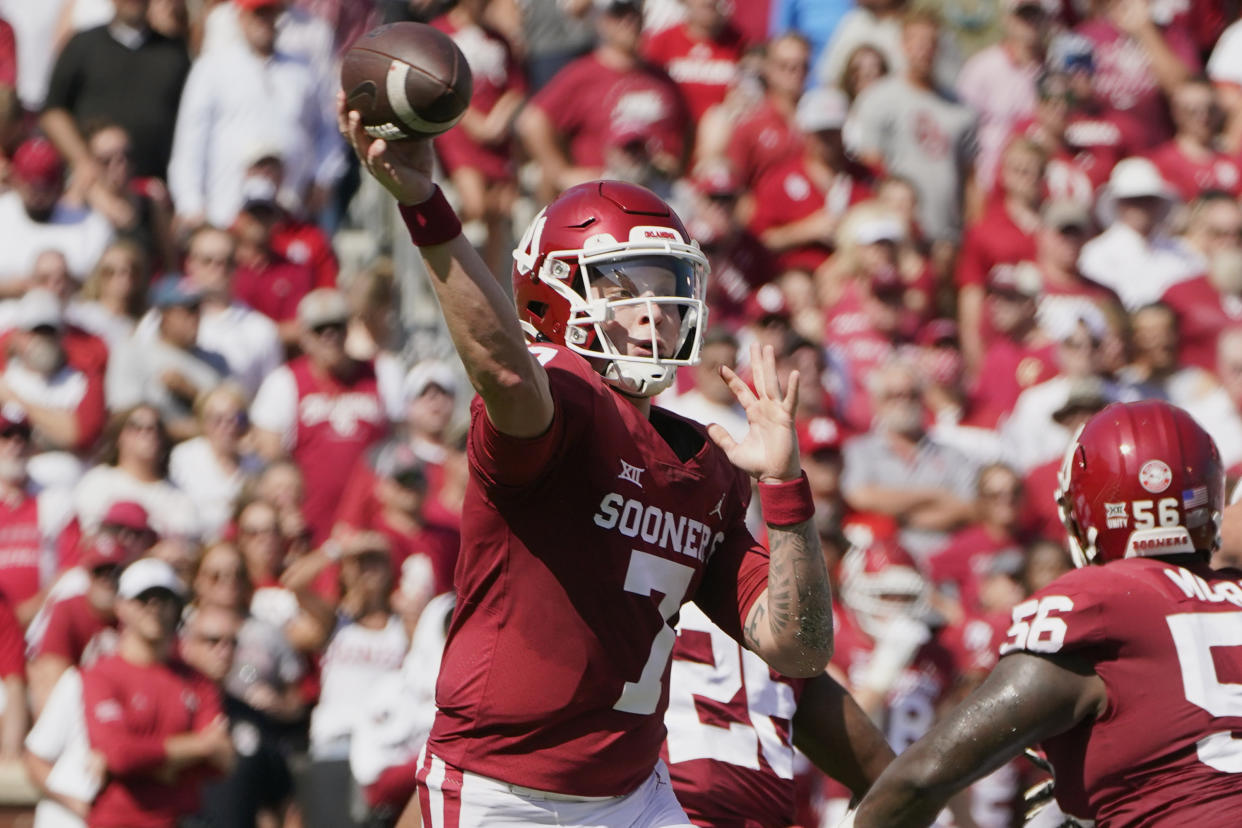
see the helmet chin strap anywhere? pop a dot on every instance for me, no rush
(636, 380)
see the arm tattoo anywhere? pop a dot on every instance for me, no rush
(798, 593)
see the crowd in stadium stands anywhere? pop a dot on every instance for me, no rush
(230, 490)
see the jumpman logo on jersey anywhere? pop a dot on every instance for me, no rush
(631, 473)
(719, 510)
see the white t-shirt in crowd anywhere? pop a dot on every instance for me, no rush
(169, 510)
(194, 469)
(356, 660)
(248, 341)
(59, 736)
(93, 317)
(81, 235)
(34, 26)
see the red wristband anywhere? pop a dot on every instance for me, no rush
(432, 221)
(785, 504)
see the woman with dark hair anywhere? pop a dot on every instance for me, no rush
(133, 465)
(113, 298)
(865, 65)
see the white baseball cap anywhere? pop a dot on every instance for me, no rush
(427, 373)
(820, 109)
(149, 573)
(1137, 178)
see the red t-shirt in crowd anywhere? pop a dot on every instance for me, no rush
(588, 102)
(787, 193)
(274, 290)
(305, 245)
(589, 536)
(964, 561)
(12, 644)
(703, 69)
(762, 140)
(71, 626)
(1125, 81)
(8, 55)
(1008, 369)
(21, 549)
(974, 639)
(496, 72)
(1202, 313)
(857, 348)
(1040, 517)
(1191, 176)
(131, 710)
(992, 240)
(1164, 640)
(740, 266)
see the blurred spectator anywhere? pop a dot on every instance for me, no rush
(137, 208)
(1154, 373)
(819, 441)
(58, 758)
(283, 486)
(766, 136)
(35, 217)
(902, 124)
(323, 408)
(238, 98)
(1211, 302)
(123, 72)
(700, 54)
(374, 330)
(34, 25)
(293, 236)
(865, 65)
(1033, 430)
(79, 628)
(29, 522)
(999, 81)
(555, 34)
(1065, 294)
(815, 20)
(264, 280)
(800, 202)
(1224, 68)
(170, 371)
(133, 465)
(1045, 562)
(1004, 234)
(1019, 355)
(368, 644)
(209, 639)
(157, 723)
(212, 468)
(1134, 256)
(114, 295)
(1190, 161)
(869, 319)
(1137, 62)
(897, 469)
(709, 400)
(65, 404)
(248, 340)
(262, 697)
(878, 24)
(301, 33)
(960, 567)
(741, 264)
(478, 154)
(568, 122)
(1229, 363)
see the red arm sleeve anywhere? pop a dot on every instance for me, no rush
(91, 412)
(124, 752)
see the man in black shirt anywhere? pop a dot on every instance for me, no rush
(122, 72)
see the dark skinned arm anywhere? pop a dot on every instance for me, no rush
(838, 737)
(1026, 699)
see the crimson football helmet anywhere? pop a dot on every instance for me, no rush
(1140, 479)
(607, 245)
(879, 579)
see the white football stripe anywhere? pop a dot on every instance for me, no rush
(400, 103)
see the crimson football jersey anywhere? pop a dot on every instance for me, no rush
(730, 746)
(1167, 642)
(578, 548)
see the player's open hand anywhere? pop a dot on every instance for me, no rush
(403, 167)
(769, 451)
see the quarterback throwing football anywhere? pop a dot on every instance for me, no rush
(590, 515)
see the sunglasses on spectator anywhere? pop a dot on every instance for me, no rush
(1072, 230)
(1225, 232)
(216, 261)
(1001, 494)
(157, 595)
(151, 426)
(216, 418)
(113, 157)
(264, 529)
(212, 640)
(112, 571)
(328, 327)
(901, 394)
(217, 576)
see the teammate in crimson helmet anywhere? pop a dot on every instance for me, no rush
(1125, 670)
(591, 516)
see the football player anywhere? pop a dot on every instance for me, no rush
(1127, 670)
(733, 725)
(591, 516)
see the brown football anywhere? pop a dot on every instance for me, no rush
(406, 80)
